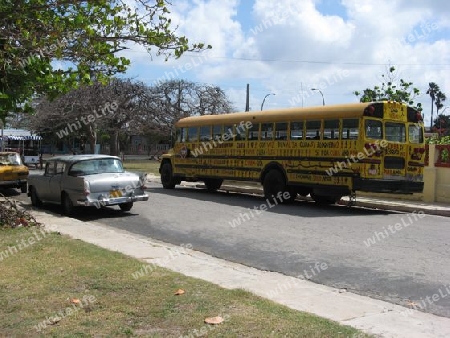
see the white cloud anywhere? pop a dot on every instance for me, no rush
(295, 45)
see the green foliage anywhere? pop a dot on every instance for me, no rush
(444, 155)
(391, 90)
(85, 35)
(441, 125)
(438, 140)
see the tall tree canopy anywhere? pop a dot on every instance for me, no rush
(392, 89)
(86, 35)
(125, 107)
(437, 99)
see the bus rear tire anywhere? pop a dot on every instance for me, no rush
(167, 178)
(212, 184)
(274, 184)
(324, 200)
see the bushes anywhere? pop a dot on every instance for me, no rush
(438, 140)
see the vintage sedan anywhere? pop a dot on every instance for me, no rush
(86, 180)
(13, 173)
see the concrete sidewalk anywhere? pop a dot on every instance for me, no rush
(370, 315)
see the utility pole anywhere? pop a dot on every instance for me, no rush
(2, 148)
(247, 99)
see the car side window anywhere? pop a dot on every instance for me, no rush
(60, 166)
(50, 169)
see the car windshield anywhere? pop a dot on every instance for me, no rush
(97, 166)
(10, 159)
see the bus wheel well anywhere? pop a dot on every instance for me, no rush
(272, 166)
(162, 163)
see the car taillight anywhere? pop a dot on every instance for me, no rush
(142, 181)
(87, 188)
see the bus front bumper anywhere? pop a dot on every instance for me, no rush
(391, 186)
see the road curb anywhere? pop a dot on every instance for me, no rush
(359, 203)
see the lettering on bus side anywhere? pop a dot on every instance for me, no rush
(325, 144)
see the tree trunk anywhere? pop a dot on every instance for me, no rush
(114, 143)
(92, 139)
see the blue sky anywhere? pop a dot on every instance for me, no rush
(286, 46)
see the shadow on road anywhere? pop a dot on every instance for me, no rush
(252, 201)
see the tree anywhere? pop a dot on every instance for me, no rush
(90, 111)
(123, 107)
(433, 89)
(391, 89)
(174, 99)
(86, 35)
(442, 125)
(440, 99)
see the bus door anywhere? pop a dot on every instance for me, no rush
(394, 151)
(372, 154)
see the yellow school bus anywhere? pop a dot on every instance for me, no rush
(326, 152)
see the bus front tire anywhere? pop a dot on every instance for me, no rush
(167, 178)
(212, 184)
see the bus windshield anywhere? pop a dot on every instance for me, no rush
(395, 132)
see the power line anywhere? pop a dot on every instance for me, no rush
(323, 62)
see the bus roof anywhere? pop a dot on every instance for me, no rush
(350, 110)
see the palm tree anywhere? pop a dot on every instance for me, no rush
(440, 98)
(433, 89)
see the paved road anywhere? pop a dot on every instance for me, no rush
(328, 245)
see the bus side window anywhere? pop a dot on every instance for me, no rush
(350, 129)
(266, 131)
(313, 130)
(296, 131)
(228, 133)
(331, 129)
(205, 133)
(179, 133)
(253, 132)
(192, 134)
(241, 133)
(217, 132)
(281, 131)
(184, 134)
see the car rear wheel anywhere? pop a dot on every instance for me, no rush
(126, 206)
(67, 205)
(35, 201)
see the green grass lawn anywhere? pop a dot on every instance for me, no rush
(148, 166)
(41, 281)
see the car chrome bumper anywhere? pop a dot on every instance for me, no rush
(111, 201)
